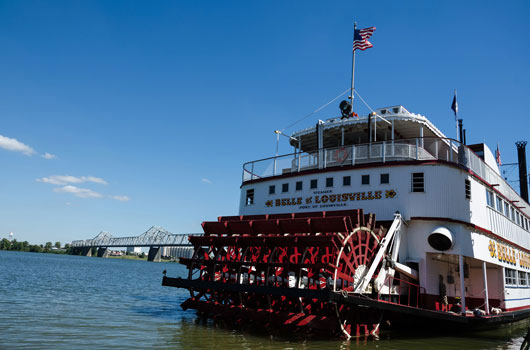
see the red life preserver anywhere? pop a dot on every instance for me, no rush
(341, 154)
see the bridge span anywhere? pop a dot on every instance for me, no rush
(156, 238)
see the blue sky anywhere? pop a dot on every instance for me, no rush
(120, 115)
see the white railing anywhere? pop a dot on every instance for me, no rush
(422, 149)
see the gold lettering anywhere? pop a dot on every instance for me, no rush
(378, 194)
(345, 196)
(317, 199)
(324, 198)
(278, 202)
(333, 198)
(309, 200)
(298, 200)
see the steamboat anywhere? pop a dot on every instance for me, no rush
(450, 248)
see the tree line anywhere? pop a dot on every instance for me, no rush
(6, 244)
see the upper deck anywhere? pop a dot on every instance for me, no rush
(398, 137)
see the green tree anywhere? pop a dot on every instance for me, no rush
(35, 248)
(47, 247)
(57, 245)
(5, 244)
(15, 245)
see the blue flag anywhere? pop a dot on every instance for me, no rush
(454, 106)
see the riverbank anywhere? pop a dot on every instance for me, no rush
(139, 257)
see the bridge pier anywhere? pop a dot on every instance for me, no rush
(103, 252)
(154, 254)
(86, 251)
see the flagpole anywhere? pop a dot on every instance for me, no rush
(456, 119)
(353, 68)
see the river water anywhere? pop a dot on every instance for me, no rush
(52, 301)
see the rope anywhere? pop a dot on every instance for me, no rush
(363, 101)
(316, 110)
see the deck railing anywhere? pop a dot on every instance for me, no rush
(427, 148)
(398, 291)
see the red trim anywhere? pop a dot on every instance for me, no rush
(519, 308)
(476, 227)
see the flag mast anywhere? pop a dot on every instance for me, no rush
(456, 117)
(353, 68)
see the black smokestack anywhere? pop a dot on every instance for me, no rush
(523, 173)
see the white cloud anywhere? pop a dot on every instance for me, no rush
(68, 179)
(205, 180)
(78, 192)
(15, 145)
(49, 156)
(121, 198)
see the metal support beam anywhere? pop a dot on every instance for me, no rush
(486, 298)
(462, 286)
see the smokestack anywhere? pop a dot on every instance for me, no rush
(523, 173)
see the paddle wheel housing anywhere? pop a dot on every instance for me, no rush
(278, 270)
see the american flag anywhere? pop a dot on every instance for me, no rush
(360, 38)
(498, 155)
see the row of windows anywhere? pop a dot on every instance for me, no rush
(346, 181)
(417, 184)
(508, 210)
(516, 278)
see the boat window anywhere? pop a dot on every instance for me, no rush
(510, 277)
(346, 181)
(418, 182)
(385, 178)
(285, 187)
(499, 204)
(522, 278)
(250, 197)
(512, 214)
(272, 189)
(468, 189)
(506, 209)
(365, 179)
(299, 185)
(329, 182)
(314, 183)
(489, 198)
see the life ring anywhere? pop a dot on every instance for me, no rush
(341, 154)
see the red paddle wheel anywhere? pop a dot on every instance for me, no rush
(279, 270)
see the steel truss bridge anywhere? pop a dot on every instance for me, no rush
(154, 238)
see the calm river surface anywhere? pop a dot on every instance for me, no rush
(71, 302)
